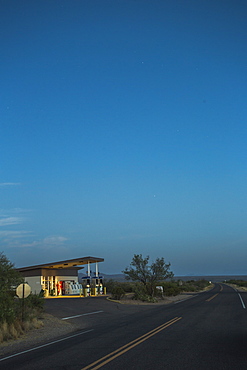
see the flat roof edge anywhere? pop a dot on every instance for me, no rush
(66, 264)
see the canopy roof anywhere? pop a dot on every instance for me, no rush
(67, 264)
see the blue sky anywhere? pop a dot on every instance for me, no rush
(123, 130)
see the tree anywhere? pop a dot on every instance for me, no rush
(148, 275)
(9, 279)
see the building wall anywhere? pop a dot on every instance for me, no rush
(47, 279)
(34, 272)
(35, 283)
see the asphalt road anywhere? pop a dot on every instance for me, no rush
(208, 331)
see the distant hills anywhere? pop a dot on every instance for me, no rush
(213, 278)
(116, 277)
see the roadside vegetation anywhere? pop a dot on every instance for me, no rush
(148, 283)
(238, 283)
(147, 275)
(119, 290)
(14, 321)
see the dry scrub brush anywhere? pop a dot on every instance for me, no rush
(14, 330)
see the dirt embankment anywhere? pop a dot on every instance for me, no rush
(238, 288)
(52, 328)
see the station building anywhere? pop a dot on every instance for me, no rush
(61, 278)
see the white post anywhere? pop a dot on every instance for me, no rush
(96, 269)
(88, 268)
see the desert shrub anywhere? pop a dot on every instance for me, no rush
(240, 282)
(12, 321)
(144, 297)
(35, 302)
(117, 292)
(8, 307)
(127, 286)
(10, 330)
(110, 285)
(36, 323)
(33, 307)
(140, 294)
(171, 289)
(32, 323)
(17, 328)
(9, 279)
(194, 285)
(201, 284)
(187, 287)
(4, 332)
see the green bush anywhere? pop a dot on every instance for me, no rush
(240, 282)
(117, 292)
(194, 285)
(8, 307)
(12, 321)
(35, 302)
(110, 285)
(171, 288)
(140, 294)
(201, 284)
(9, 279)
(188, 288)
(125, 285)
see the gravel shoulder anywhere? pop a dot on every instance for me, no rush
(238, 288)
(53, 328)
(127, 299)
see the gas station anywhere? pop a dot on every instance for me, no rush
(60, 279)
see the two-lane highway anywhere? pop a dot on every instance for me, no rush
(208, 331)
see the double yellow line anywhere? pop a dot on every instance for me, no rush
(209, 299)
(120, 351)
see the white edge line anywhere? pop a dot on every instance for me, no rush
(84, 314)
(241, 299)
(45, 345)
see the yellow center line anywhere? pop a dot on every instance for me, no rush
(209, 299)
(120, 351)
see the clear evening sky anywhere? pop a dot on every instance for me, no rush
(123, 130)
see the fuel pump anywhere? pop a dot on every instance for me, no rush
(88, 287)
(101, 286)
(96, 286)
(97, 280)
(86, 283)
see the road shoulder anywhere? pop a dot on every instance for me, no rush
(52, 328)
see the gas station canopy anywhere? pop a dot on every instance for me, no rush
(67, 264)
